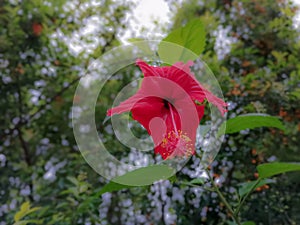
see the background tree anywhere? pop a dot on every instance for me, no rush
(43, 55)
(253, 50)
(45, 48)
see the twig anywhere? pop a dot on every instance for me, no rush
(22, 141)
(246, 196)
(223, 199)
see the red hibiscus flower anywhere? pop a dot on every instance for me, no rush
(169, 104)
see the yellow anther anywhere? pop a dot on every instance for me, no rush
(177, 143)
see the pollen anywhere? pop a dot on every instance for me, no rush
(177, 144)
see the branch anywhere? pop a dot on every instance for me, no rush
(25, 148)
(24, 122)
(236, 213)
(223, 199)
(21, 139)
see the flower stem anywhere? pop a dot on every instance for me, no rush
(236, 213)
(223, 199)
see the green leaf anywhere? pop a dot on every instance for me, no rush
(191, 38)
(25, 222)
(32, 210)
(248, 223)
(231, 223)
(83, 188)
(24, 208)
(275, 168)
(247, 187)
(198, 181)
(251, 121)
(145, 175)
(112, 186)
(295, 93)
(73, 180)
(139, 177)
(24, 211)
(173, 179)
(244, 223)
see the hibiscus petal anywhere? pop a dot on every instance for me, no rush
(183, 67)
(148, 70)
(182, 75)
(200, 93)
(127, 105)
(147, 109)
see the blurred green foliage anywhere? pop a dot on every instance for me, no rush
(253, 47)
(39, 70)
(45, 180)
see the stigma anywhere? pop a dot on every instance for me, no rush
(177, 144)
